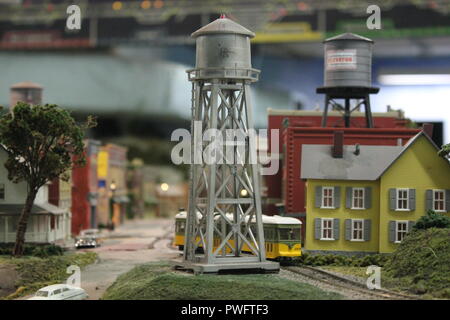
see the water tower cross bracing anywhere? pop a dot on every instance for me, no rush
(224, 228)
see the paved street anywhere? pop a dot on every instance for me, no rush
(133, 243)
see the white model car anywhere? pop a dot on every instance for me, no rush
(89, 238)
(60, 292)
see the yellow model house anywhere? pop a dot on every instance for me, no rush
(365, 199)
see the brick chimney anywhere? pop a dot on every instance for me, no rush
(427, 128)
(338, 144)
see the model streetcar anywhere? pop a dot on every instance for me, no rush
(281, 235)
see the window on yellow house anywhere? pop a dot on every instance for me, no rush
(327, 197)
(357, 230)
(327, 229)
(358, 198)
(401, 230)
(402, 199)
(439, 200)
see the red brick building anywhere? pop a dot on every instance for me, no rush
(285, 190)
(84, 190)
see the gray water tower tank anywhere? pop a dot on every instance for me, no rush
(348, 61)
(223, 49)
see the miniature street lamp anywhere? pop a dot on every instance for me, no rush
(113, 188)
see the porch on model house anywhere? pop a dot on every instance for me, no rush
(47, 223)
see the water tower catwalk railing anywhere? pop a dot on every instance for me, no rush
(224, 228)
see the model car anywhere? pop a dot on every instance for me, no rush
(60, 292)
(89, 238)
(86, 242)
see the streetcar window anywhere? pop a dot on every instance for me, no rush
(295, 234)
(284, 234)
(289, 233)
(269, 234)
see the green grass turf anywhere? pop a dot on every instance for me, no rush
(158, 281)
(421, 264)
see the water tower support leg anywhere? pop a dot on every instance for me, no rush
(368, 112)
(325, 111)
(347, 113)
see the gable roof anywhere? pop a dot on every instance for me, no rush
(370, 164)
(317, 162)
(409, 144)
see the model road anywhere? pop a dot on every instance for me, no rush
(133, 243)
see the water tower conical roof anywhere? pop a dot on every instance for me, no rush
(348, 36)
(223, 25)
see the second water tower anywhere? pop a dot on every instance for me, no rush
(348, 76)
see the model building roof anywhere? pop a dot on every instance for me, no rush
(369, 164)
(37, 208)
(317, 162)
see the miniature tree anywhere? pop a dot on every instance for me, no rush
(445, 151)
(42, 142)
(432, 220)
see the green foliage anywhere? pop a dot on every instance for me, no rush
(445, 151)
(341, 260)
(158, 281)
(130, 210)
(41, 142)
(41, 251)
(421, 263)
(35, 273)
(102, 226)
(411, 124)
(432, 220)
(375, 259)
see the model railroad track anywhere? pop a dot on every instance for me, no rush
(347, 284)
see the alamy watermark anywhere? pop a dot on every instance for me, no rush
(75, 278)
(230, 146)
(374, 280)
(73, 21)
(374, 21)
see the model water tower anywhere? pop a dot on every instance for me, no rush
(348, 76)
(224, 228)
(28, 92)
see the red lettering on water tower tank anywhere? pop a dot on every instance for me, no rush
(340, 59)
